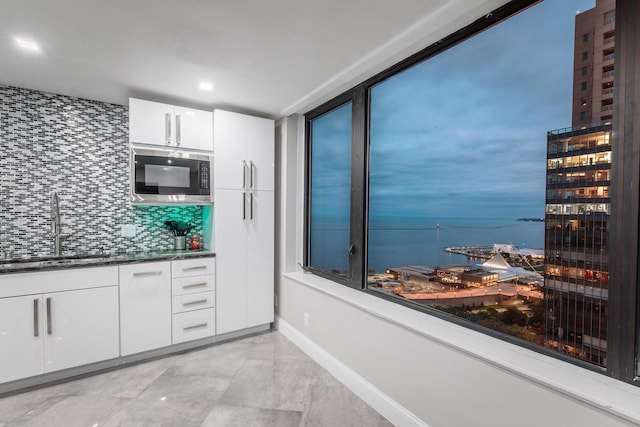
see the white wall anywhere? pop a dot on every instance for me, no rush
(419, 370)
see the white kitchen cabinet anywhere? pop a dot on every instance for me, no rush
(21, 336)
(245, 146)
(193, 301)
(245, 261)
(244, 221)
(80, 327)
(260, 259)
(69, 318)
(145, 307)
(231, 256)
(169, 126)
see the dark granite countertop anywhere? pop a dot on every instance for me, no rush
(21, 265)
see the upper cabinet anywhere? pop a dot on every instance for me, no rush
(169, 126)
(246, 145)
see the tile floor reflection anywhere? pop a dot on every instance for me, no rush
(262, 380)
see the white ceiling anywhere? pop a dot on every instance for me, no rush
(266, 57)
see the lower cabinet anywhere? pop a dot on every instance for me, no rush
(21, 337)
(80, 327)
(54, 320)
(47, 332)
(193, 299)
(145, 307)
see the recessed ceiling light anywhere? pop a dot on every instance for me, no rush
(206, 86)
(27, 44)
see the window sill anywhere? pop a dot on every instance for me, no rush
(597, 390)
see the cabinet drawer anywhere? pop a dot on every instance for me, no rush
(190, 302)
(193, 267)
(40, 282)
(193, 325)
(191, 285)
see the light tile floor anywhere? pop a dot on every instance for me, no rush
(262, 380)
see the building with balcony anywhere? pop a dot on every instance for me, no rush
(578, 208)
(578, 204)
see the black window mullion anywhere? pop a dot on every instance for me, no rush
(622, 336)
(358, 187)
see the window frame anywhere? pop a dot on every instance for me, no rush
(353, 278)
(622, 338)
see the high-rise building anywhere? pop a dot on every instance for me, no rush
(577, 201)
(577, 240)
(593, 66)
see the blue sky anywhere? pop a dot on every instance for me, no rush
(462, 134)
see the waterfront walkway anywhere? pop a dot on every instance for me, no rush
(505, 290)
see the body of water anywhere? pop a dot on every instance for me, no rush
(397, 244)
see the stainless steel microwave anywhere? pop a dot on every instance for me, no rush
(170, 176)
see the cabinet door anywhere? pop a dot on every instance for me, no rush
(230, 231)
(244, 151)
(145, 307)
(260, 136)
(260, 260)
(80, 327)
(194, 128)
(229, 141)
(151, 123)
(21, 337)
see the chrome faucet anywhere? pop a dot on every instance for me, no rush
(56, 227)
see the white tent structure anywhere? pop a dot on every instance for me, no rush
(513, 249)
(498, 265)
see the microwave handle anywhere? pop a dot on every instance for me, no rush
(167, 128)
(178, 130)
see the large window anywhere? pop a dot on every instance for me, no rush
(486, 196)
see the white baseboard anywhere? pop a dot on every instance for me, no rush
(374, 397)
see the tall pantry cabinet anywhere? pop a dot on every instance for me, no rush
(244, 220)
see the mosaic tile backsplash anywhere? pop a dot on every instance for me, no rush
(78, 148)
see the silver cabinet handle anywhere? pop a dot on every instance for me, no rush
(167, 128)
(244, 205)
(195, 285)
(251, 206)
(36, 329)
(147, 273)
(200, 301)
(244, 174)
(49, 326)
(178, 131)
(199, 325)
(251, 174)
(197, 267)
